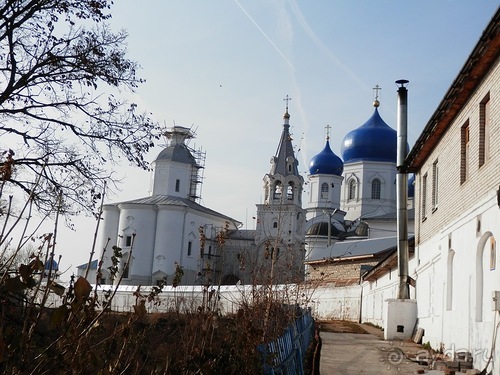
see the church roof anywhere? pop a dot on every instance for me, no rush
(372, 141)
(321, 229)
(285, 153)
(179, 153)
(480, 61)
(354, 249)
(169, 200)
(391, 216)
(389, 262)
(93, 265)
(326, 162)
(242, 234)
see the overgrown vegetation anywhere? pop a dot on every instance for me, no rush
(60, 123)
(82, 336)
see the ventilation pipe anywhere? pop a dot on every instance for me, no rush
(402, 190)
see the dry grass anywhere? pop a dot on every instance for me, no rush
(341, 326)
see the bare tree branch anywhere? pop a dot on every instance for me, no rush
(60, 69)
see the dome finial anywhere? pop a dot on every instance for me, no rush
(286, 115)
(328, 127)
(376, 103)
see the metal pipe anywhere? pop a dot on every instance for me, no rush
(402, 190)
(329, 229)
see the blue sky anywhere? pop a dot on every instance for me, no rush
(224, 67)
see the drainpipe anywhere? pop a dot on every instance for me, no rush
(402, 190)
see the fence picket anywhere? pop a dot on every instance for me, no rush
(286, 354)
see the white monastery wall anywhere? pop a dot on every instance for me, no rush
(326, 302)
(375, 294)
(456, 238)
(329, 302)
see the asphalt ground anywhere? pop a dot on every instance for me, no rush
(346, 353)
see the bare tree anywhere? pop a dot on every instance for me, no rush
(62, 72)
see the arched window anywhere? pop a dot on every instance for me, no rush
(324, 190)
(485, 275)
(289, 191)
(275, 252)
(275, 224)
(352, 189)
(376, 189)
(277, 190)
(449, 281)
(125, 265)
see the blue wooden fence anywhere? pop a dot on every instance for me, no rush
(286, 354)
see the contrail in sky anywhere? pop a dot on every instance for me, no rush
(265, 35)
(317, 41)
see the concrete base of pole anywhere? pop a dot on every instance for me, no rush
(400, 318)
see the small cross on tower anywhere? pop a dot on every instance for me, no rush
(328, 127)
(377, 88)
(287, 99)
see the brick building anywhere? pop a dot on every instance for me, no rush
(456, 161)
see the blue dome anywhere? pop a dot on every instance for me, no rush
(55, 266)
(411, 186)
(326, 162)
(372, 141)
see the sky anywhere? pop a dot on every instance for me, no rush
(223, 68)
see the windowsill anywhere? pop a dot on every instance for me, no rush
(434, 209)
(424, 219)
(485, 162)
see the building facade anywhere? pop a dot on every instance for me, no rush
(169, 235)
(352, 205)
(456, 161)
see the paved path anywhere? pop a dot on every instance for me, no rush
(350, 354)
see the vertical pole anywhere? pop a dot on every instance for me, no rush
(402, 190)
(329, 229)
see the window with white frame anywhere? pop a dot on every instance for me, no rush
(352, 189)
(128, 240)
(376, 187)
(324, 190)
(424, 197)
(465, 153)
(484, 130)
(126, 263)
(435, 184)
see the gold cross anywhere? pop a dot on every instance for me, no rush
(287, 99)
(377, 88)
(328, 127)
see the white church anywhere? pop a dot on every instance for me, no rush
(347, 223)
(169, 229)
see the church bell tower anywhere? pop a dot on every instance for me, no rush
(281, 218)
